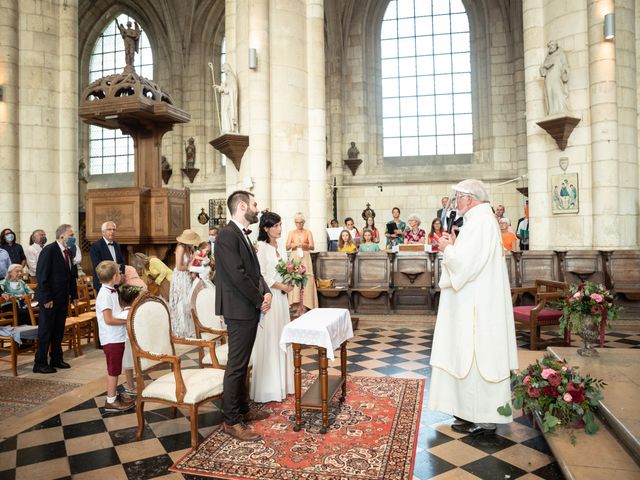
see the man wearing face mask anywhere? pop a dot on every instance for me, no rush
(56, 277)
(37, 240)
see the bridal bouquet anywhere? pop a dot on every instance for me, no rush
(293, 272)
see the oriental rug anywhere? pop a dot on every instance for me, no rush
(372, 436)
(19, 394)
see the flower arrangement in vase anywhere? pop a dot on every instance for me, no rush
(587, 312)
(561, 395)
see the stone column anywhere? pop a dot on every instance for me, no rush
(9, 161)
(281, 105)
(539, 205)
(604, 128)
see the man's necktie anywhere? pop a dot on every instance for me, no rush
(66, 258)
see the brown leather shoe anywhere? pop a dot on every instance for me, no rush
(242, 432)
(255, 416)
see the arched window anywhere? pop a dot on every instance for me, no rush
(109, 150)
(426, 78)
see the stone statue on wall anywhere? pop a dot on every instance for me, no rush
(555, 71)
(165, 163)
(131, 38)
(228, 101)
(190, 150)
(82, 171)
(353, 151)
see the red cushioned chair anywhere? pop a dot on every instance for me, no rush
(536, 316)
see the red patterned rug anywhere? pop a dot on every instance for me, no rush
(372, 436)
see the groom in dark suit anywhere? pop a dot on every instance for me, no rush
(105, 249)
(56, 277)
(241, 294)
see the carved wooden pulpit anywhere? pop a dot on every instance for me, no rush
(146, 214)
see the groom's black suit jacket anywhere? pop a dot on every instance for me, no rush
(240, 288)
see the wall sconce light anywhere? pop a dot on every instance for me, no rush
(253, 59)
(1, 94)
(609, 26)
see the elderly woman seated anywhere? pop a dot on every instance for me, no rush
(13, 286)
(414, 234)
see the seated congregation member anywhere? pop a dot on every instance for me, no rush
(395, 229)
(414, 234)
(126, 295)
(435, 234)
(367, 244)
(37, 241)
(300, 243)
(13, 286)
(113, 333)
(56, 280)
(15, 251)
(152, 270)
(332, 245)
(272, 373)
(346, 243)
(370, 223)
(509, 239)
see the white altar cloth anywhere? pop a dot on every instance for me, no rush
(321, 327)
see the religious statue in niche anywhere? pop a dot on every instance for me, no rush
(190, 150)
(353, 151)
(131, 39)
(555, 71)
(82, 171)
(228, 89)
(165, 163)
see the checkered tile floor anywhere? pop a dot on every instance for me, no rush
(85, 443)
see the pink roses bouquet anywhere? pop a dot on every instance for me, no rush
(588, 299)
(558, 393)
(293, 272)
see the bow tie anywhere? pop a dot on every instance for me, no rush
(110, 244)
(112, 290)
(246, 231)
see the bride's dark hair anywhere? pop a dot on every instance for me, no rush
(267, 220)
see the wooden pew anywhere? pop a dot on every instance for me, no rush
(413, 281)
(372, 282)
(337, 267)
(577, 266)
(537, 264)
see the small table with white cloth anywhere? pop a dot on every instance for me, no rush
(325, 329)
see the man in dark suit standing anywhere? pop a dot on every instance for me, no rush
(443, 215)
(105, 249)
(241, 294)
(56, 277)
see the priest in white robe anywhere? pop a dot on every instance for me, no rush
(474, 344)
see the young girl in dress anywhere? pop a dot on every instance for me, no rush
(179, 305)
(272, 373)
(367, 244)
(371, 225)
(346, 243)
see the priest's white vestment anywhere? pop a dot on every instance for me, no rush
(474, 344)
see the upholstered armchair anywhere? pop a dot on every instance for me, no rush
(539, 314)
(152, 343)
(209, 326)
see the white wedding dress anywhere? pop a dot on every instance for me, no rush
(272, 377)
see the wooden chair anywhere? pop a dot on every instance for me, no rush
(209, 326)
(536, 316)
(7, 342)
(152, 344)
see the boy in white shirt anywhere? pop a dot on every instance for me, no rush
(113, 333)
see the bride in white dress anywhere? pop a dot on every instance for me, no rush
(272, 377)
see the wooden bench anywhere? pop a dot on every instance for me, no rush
(623, 273)
(537, 264)
(334, 266)
(578, 266)
(371, 282)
